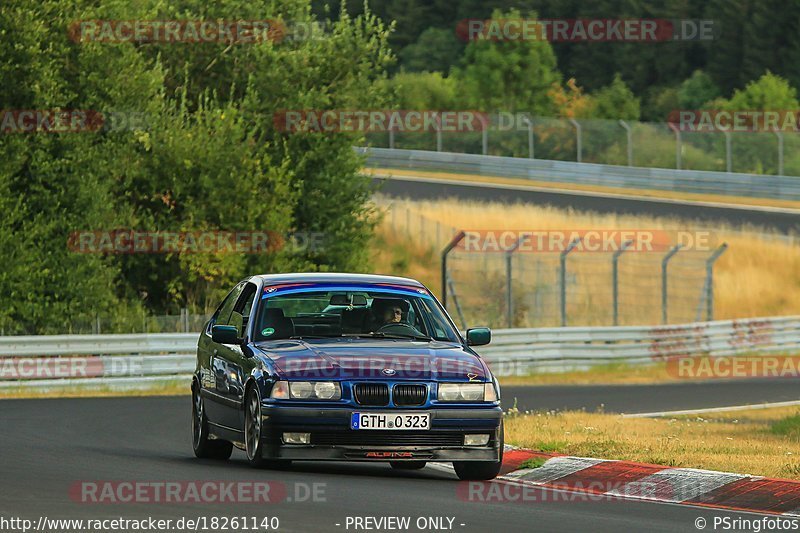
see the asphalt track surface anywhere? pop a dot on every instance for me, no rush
(49, 446)
(783, 221)
(652, 398)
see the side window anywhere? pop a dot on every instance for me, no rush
(437, 321)
(243, 308)
(223, 314)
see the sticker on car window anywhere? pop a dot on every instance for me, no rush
(267, 331)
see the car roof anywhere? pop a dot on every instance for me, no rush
(328, 277)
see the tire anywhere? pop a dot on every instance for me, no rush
(203, 446)
(253, 434)
(481, 470)
(408, 465)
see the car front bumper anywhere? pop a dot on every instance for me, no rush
(332, 439)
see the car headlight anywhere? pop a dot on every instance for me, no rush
(307, 390)
(467, 392)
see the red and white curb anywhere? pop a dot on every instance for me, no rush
(614, 479)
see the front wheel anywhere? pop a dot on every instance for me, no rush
(481, 470)
(253, 434)
(203, 446)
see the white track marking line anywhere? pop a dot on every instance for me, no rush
(512, 480)
(713, 409)
(676, 484)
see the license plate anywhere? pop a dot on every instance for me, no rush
(382, 421)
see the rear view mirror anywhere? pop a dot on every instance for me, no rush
(225, 334)
(355, 300)
(479, 336)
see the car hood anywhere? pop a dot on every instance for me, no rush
(356, 358)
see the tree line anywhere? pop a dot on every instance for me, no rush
(751, 38)
(209, 157)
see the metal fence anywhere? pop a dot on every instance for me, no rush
(55, 364)
(519, 289)
(184, 322)
(611, 142)
(514, 290)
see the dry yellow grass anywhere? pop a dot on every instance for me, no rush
(758, 442)
(396, 255)
(759, 274)
(177, 388)
(604, 374)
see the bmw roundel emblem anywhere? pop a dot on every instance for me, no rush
(389, 372)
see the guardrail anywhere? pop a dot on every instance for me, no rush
(53, 364)
(521, 351)
(615, 176)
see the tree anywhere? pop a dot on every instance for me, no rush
(508, 75)
(616, 101)
(769, 92)
(571, 102)
(697, 90)
(209, 158)
(436, 50)
(423, 90)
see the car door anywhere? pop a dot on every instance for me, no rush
(213, 374)
(233, 363)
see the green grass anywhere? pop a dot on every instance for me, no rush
(552, 446)
(787, 427)
(533, 462)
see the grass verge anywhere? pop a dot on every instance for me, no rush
(176, 388)
(759, 442)
(602, 374)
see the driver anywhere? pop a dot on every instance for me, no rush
(393, 314)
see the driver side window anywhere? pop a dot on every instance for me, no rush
(223, 314)
(240, 315)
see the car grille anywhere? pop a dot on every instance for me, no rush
(409, 394)
(371, 393)
(388, 438)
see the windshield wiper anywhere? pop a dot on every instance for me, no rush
(314, 336)
(381, 335)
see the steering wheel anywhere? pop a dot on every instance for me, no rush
(400, 328)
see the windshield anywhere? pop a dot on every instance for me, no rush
(353, 310)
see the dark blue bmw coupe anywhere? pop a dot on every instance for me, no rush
(344, 367)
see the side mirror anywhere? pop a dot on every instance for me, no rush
(225, 334)
(479, 336)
